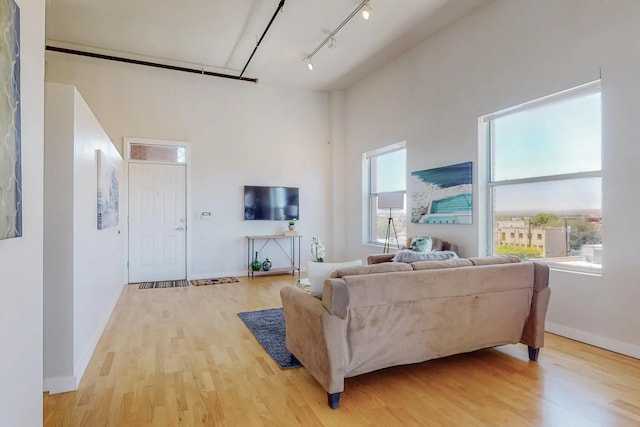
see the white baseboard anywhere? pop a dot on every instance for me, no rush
(59, 384)
(616, 346)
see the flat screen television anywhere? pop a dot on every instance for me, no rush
(271, 203)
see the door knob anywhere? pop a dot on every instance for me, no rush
(180, 228)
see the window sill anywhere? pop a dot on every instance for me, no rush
(588, 269)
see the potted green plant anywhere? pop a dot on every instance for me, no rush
(292, 224)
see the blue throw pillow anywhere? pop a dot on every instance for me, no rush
(422, 244)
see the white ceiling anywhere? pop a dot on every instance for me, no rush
(219, 35)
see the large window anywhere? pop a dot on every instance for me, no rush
(386, 171)
(545, 179)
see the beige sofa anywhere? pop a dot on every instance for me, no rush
(388, 314)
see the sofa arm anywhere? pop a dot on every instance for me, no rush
(378, 258)
(533, 332)
(335, 297)
(315, 337)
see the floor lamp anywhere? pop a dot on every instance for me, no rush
(391, 200)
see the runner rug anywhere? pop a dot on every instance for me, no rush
(214, 281)
(164, 284)
(269, 329)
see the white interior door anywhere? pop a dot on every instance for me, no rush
(157, 222)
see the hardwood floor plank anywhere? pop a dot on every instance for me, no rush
(182, 357)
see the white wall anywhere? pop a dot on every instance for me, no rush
(83, 265)
(506, 53)
(239, 133)
(21, 258)
(98, 255)
(58, 241)
(338, 243)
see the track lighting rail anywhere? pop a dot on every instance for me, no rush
(172, 67)
(263, 34)
(364, 4)
(148, 63)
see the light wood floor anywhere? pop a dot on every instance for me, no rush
(182, 357)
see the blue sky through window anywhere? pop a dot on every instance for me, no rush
(555, 138)
(391, 171)
(552, 139)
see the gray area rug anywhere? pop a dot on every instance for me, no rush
(269, 329)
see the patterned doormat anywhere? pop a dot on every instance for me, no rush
(164, 284)
(214, 281)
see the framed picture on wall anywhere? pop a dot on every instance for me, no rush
(108, 198)
(10, 149)
(442, 195)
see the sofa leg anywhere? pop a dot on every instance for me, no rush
(334, 400)
(533, 353)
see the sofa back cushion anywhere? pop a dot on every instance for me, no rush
(450, 263)
(385, 267)
(406, 286)
(495, 259)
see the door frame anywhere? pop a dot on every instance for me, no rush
(187, 170)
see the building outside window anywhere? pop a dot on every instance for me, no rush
(386, 171)
(545, 179)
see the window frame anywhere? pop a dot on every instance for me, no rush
(370, 205)
(488, 122)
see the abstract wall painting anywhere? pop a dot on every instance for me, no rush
(442, 195)
(10, 154)
(108, 198)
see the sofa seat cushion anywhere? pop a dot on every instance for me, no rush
(409, 256)
(318, 272)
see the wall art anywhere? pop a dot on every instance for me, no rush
(108, 198)
(10, 150)
(442, 195)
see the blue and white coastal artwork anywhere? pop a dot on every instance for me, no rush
(108, 197)
(10, 162)
(442, 195)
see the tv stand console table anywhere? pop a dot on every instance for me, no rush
(292, 253)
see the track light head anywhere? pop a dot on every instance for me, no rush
(363, 7)
(366, 11)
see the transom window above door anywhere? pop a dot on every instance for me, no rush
(157, 153)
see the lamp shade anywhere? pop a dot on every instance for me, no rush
(391, 200)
